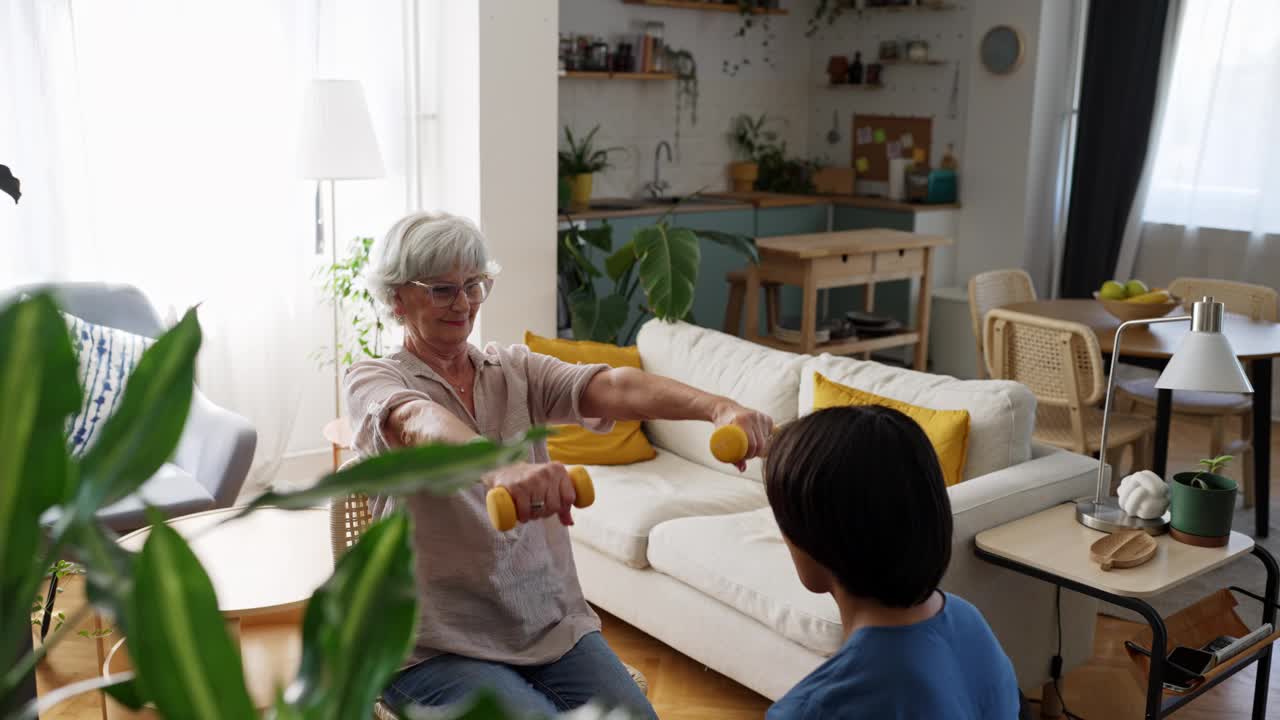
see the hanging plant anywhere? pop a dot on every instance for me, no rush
(825, 12)
(750, 21)
(685, 67)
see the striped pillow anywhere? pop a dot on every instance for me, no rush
(107, 356)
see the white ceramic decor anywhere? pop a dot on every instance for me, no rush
(1143, 494)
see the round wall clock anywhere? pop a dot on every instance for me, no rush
(1001, 50)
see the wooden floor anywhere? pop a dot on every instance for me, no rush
(682, 689)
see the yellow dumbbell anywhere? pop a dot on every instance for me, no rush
(502, 509)
(729, 443)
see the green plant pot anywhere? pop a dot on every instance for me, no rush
(1200, 512)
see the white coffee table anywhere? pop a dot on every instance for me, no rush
(1051, 546)
(264, 568)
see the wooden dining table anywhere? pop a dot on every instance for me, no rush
(1254, 342)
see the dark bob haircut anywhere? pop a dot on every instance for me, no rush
(859, 489)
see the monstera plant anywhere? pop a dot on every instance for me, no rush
(358, 626)
(660, 259)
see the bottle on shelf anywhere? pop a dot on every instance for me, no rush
(948, 161)
(855, 70)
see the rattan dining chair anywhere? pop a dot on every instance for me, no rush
(1062, 365)
(1257, 302)
(990, 290)
(349, 517)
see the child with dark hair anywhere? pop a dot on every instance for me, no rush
(859, 497)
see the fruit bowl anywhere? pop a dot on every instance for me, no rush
(1124, 310)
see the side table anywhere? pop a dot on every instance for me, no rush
(1051, 546)
(338, 432)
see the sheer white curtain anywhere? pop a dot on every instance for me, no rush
(1217, 162)
(156, 146)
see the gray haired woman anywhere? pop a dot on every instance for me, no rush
(499, 610)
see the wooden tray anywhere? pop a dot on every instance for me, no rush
(1126, 549)
(1195, 627)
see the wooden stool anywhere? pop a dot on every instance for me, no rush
(737, 280)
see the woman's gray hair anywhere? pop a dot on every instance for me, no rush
(423, 245)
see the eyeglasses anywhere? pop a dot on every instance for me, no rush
(443, 294)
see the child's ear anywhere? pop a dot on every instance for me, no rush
(813, 575)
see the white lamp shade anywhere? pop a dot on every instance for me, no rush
(1204, 361)
(336, 140)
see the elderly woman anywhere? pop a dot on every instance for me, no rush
(499, 610)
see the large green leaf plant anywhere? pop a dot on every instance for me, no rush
(660, 259)
(358, 626)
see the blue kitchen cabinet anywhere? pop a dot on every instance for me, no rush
(801, 220)
(711, 293)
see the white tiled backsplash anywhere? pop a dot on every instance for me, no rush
(637, 115)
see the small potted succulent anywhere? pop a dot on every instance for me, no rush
(1203, 504)
(749, 139)
(579, 161)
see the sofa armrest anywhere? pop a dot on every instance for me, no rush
(1021, 609)
(216, 448)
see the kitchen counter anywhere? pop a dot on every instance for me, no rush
(881, 203)
(642, 208)
(771, 200)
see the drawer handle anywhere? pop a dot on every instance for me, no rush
(901, 253)
(844, 258)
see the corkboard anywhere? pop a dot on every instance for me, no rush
(867, 142)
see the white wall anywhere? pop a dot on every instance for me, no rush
(488, 134)
(917, 91)
(1012, 134)
(638, 115)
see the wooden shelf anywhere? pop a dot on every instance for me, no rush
(846, 347)
(704, 5)
(848, 86)
(909, 8)
(600, 75)
(913, 62)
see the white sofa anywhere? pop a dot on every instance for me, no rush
(686, 549)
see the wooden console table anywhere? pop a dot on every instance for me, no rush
(838, 259)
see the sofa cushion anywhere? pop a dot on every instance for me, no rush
(1002, 413)
(106, 357)
(947, 430)
(742, 561)
(760, 378)
(172, 490)
(632, 499)
(622, 445)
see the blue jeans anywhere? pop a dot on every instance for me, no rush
(590, 671)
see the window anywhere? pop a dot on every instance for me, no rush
(1217, 160)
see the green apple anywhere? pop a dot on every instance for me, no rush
(1134, 288)
(1112, 290)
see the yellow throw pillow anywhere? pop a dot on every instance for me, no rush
(948, 430)
(573, 444)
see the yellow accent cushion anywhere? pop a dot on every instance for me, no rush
(622, 445)
(948, 430)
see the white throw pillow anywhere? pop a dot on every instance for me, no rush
(107, 356)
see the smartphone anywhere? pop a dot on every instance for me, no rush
(1177, 677)
(1219, 642)
(1197, 661)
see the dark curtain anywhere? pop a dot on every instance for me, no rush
(1117, 99)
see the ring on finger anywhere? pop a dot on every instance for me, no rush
(537, 505)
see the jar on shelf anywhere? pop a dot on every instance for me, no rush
(658, 53)
(599, 55)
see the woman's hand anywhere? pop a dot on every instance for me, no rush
(539, 490)
(758, 426)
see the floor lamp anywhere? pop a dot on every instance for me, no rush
(336, 142)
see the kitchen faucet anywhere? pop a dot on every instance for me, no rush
(658, 186)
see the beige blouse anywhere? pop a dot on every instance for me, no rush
(508, 597)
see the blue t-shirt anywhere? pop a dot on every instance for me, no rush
(949, 666)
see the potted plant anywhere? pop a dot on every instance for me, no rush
(1203, 504)
(578, 162)
(659, 263)
(749, 139)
